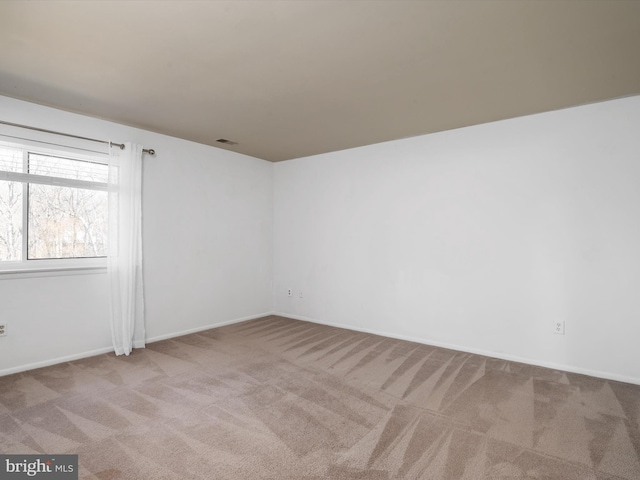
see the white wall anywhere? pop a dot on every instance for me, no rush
(207, 240)
(477, 238)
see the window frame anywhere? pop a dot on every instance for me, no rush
(26, 267)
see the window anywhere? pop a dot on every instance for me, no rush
(53, 209)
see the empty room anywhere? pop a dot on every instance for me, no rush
(320, 240)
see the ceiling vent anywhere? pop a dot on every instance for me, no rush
(226, 142)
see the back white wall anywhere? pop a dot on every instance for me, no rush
(207, 243)
(477, 239)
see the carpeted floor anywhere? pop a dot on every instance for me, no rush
(276, 398)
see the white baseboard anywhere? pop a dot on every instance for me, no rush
(486, 353)
(54, 361)
(158, 338)
(100, 351)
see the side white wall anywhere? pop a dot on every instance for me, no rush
(207, 239)
(477, 239)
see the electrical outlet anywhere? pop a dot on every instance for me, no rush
(558, 327)
(3, 329)
(289, 292)
(300, 293)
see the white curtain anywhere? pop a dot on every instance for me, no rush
(124, 258)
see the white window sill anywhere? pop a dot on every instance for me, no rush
(9, 274)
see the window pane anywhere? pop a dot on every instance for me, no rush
(10, 159)
(10, 221)
(67, 168)
(66, 222)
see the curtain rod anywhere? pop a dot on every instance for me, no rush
(150, 151)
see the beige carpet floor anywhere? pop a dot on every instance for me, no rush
(276, 398)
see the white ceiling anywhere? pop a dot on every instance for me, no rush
(287, 79)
